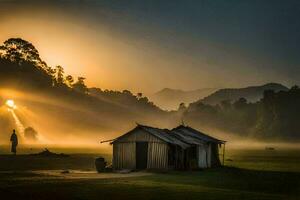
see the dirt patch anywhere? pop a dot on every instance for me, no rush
(78, 174)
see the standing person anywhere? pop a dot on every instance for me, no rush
(14, 142)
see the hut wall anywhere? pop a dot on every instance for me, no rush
(157, 155)
(179, 158)
(138, 136)
(209, 155)
(202, 157)
(215, 160)
(124, 155)
(124, 151)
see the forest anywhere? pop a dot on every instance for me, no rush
(273, 117)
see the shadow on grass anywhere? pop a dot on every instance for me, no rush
(219, 183)
(236, 178)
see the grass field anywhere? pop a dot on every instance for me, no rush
(277, 160)
(249, 174)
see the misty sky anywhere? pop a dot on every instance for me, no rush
(148, 45)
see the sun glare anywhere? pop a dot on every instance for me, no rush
(11, 104)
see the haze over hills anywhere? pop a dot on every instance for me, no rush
(59, 106)
(62, 109)
(170, 99)
(252, 93)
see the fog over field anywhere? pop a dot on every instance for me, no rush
(56, 122)
(62, 124)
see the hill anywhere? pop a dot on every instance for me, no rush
(273, 117)
(252, 94)
(60, 108)
(170, 99)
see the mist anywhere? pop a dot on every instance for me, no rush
(61, 123)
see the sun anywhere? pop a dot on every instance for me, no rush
(11, 104)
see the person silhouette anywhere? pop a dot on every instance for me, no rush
(14, 142)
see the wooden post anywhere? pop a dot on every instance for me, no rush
(223, 154)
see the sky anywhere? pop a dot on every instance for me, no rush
(148, 45)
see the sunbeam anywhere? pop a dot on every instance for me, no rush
(19, 125)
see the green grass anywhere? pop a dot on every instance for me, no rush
(260, 175)
(26, 162)
(223, 183)
(277, 160)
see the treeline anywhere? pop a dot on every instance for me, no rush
(22, 68)
(125, 98)
(21, 65)
(275, 116)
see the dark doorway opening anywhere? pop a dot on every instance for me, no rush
(141, 155)
(172, 156)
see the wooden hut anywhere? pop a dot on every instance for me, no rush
(146, 147)
(203, 148)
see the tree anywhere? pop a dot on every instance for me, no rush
(127, 92)
(69, 80)
(17, 49)
(182, 107)
(80, 85)
(144, 100)
(2, 51)
(59, 75)
(139, 95)
(30, 134)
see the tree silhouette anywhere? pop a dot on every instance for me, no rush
(69, 81)
(127, 92)
(30, 133)
(59, 75)
(182, 107)
(24, 58)
(18, 49)
(139, 95)
(80, 85)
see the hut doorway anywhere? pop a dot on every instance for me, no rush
(141, 155)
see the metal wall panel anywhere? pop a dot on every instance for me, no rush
(124, 155)
(202, 156)
(209, 155)
(157, 155)
(124, 151)
(139, 136)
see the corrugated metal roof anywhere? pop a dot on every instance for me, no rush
(188, 132)
(182, 136)
(165, 135)
(186, 138)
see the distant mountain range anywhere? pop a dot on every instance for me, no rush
(252, 93)
(170, 99)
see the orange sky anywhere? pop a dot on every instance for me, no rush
(106, 61)
(110, 59)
